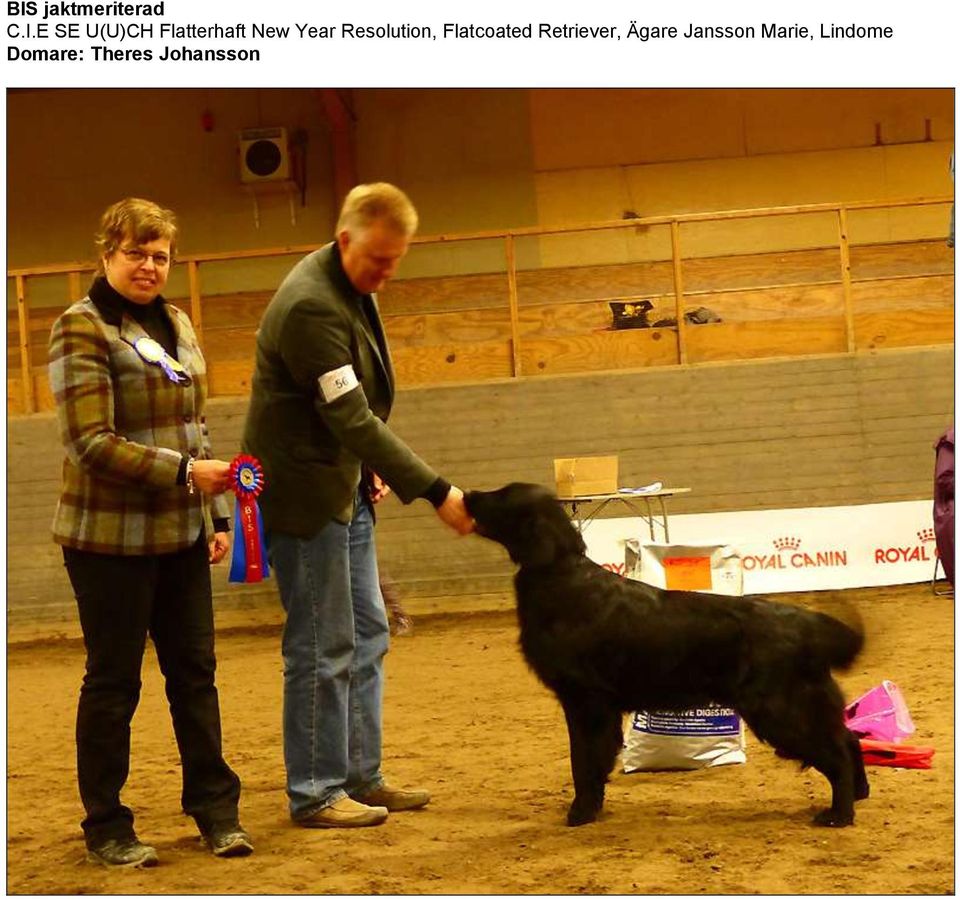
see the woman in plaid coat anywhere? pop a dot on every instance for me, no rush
(141, 517)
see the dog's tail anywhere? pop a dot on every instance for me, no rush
(839, 640)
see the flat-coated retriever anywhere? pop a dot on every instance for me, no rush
(605, 645)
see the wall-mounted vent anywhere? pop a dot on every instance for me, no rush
(264, 155)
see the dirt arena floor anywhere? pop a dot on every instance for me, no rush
(465, 718)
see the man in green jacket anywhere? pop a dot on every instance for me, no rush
(322, 391)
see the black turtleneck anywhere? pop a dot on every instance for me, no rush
(152, 317)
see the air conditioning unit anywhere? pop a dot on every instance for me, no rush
(264, 155)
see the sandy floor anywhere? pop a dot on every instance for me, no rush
(466, 719)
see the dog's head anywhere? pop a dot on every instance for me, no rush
(528, 520)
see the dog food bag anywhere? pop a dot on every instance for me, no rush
(713, 567)
(692, 739)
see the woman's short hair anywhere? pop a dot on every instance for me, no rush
(136, 220)
(367, 203)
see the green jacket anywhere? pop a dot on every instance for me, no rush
(322, 391)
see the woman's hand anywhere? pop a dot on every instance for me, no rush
(212, 476)
(219, 547)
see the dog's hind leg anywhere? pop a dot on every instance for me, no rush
(596, 737)
(861, 787)
(808, 726)
(834, 761)
(835, 752)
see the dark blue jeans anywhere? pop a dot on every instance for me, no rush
(121, 599)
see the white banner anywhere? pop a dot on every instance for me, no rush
(797, 549)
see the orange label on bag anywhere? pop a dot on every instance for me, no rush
(688, 573)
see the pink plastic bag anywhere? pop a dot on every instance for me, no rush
(880, 714)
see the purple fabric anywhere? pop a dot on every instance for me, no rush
(943, 501)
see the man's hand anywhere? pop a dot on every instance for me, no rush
(219, 547)
(378, 488)
(212, 476)
(454, 513)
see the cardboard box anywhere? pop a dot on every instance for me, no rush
(583, 476)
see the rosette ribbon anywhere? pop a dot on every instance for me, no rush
(174, 373)
(249, 562)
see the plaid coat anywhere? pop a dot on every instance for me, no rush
(126, 427)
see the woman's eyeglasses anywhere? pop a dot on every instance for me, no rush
(139, 257)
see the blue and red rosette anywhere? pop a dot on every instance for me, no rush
(249, 562)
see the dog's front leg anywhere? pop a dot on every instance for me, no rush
(596, 737)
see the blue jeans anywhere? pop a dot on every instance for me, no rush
(334, 641)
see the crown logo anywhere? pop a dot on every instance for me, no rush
(926, 534)
(786, 543)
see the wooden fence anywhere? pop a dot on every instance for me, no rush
(524, 321)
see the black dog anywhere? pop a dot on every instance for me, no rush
(605, 645)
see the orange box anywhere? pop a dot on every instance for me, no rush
(584, 476)
(688, 573)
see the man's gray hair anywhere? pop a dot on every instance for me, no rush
(368, 203)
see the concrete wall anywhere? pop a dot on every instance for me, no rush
(581, 128)
(72, 152)
(658, 152)
(756, 435)
(472, 159)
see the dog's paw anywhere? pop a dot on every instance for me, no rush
(581, 813)
(829, 818)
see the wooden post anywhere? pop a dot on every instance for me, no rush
(678, 292)
(514, 305)
(26, 364)
(196, 315)
(845, 277)
(337, 104)
(73, 286)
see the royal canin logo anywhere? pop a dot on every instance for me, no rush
(919, 552)
(789, 556)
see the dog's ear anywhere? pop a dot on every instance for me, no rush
(546, 537)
